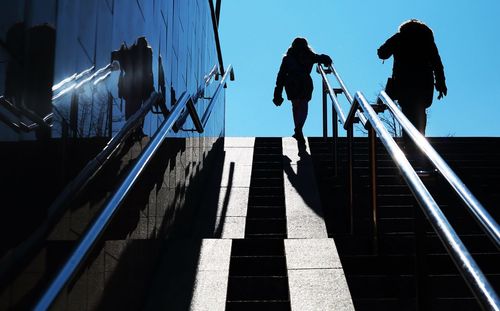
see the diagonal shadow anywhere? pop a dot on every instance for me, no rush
(302, 179)
(176, 276)
(225, 203)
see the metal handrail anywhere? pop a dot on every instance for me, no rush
(208, 110)
(346, 92)
(30, 245)
(200, 93)
(468, 268)
(93, 233)
(474, 206)
(332, 95)
(347, 124)
(19, 111)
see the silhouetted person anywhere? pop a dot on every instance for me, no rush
(136, 79)
(417, 69)
(295, 76)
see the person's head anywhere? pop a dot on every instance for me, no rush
(299, 47)
(416, 29)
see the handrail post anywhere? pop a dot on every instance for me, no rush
(325, 110)
(350, 164)
(373, 183)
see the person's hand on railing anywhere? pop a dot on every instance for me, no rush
(328, 61)
(324, 60)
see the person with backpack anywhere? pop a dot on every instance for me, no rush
(417, 69)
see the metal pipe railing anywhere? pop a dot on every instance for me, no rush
(346, 92)
(468, 268)
(97, 228)
(484, 219)
(208, 111)
(32, 244)
(200, 93)
(460, 255)
(332, 96)
(23, 112)
(338, 113)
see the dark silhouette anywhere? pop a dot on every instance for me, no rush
(417, 68)
(295, 76)
(30, 70)
(136, 78)
(162, 89)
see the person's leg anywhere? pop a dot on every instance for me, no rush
(300, 109)
(295, 112)
(416, 114)
(305, 110)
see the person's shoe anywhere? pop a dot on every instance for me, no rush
(302, 149)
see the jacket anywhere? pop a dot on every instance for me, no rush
(295, 75)
(417, 65)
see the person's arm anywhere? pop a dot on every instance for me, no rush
(280, 83)
(437, 67)
(387, 49)
(322, 59)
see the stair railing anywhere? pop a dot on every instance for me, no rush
(96, 229)
(18, 256)
(468, 268)
(484, 219)
(338, 116)
(463, 260)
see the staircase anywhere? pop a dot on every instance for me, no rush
(381, 274)
(257, 270)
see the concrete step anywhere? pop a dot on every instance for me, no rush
(257, 266)
(265, 226)
(404, 244)
(257, 288)
(254, 247)
(274, 305)
(266, 201)
(266, 212)
(384, 304)
(381, 286)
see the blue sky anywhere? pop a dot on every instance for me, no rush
(255, 35)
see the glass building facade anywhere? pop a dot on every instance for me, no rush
(72, 74)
